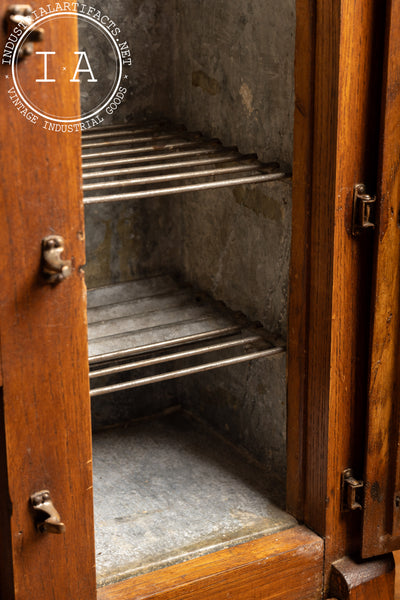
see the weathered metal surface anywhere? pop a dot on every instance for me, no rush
(225, 68)
(179, 491)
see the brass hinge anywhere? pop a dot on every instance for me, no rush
(363, 204)
(351, 491)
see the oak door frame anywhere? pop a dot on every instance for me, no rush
(381, 515)
(339, 53)
(45, 428)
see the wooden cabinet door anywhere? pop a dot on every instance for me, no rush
(381, 517)
(45, 439)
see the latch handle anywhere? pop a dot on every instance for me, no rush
(54, 268)
(20, 15)
(351, 491)
(362, 209)
(47, 518)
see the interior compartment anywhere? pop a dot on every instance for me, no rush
(184, 280)
(193, 493)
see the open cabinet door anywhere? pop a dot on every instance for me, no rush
(381, 517)
(45, 439)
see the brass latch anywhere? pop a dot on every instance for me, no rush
(352, 491)
(17, 19)
(362, 210)
(46, 517)
(54, 268)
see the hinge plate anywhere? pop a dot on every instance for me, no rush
(351, 491)
(363, 205)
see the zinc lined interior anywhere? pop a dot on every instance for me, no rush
(156, 321)
(159, 159)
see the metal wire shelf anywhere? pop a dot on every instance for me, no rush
(147, 325)
(158, 160)
(154, 322)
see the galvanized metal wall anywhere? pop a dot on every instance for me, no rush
(224, 67)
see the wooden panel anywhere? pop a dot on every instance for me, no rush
(368, 580)
(300, 255)
(346, 126)
(287, 566)
(46, 419)
(397, 575)
(381, 530)
(6, 567)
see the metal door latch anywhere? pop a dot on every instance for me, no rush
(362, 210)
(20, 16)
(47, 518)
(351, 488)
(54, 268)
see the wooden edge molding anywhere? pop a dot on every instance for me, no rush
(367, 580)
(298, 309)
(283, 566)
(6, 564)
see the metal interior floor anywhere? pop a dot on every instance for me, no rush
(167, 489)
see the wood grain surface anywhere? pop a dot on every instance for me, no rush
(300, 256)
(45, 412)
(336, 284)
(397, 575)
(284, 566)
(381, 527)
(368, 580)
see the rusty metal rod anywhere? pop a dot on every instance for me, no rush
(183, 372)
(187, 339)
(145, 149)
(171, 177)
(124, 129)
(211, 185)
(198, 151)
(152, 138)
(175, 356)
(181, 164)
